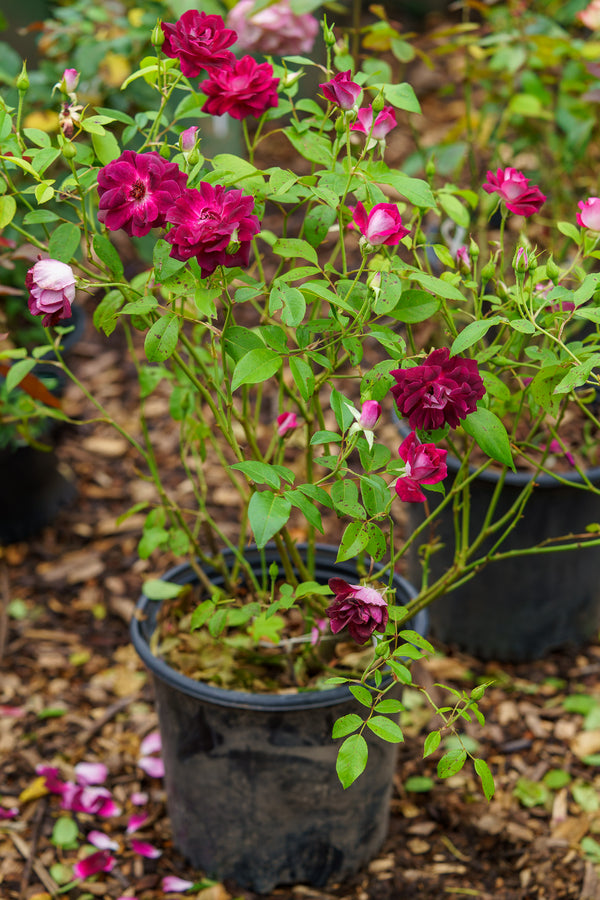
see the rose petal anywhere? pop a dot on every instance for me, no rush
(8, 813)
(102, 841)
(139, 798)
(91, 773)
(144, 849)
(151, 744)
(101, 861)
(172, 884)
(152, 765)
(136, 821)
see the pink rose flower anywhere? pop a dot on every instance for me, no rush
(442, 390)
(199, 42)
(383, 225)
(51, 286)
(187, 139)
(425, 464)
(590, 16)
(369, 414)
(362, 610)
(69, 81)
(589, 217)
(286, 421)
(514, 189)
(213, 224)
(463, 259)
(246, 89)
(136, 190)
(272, 30)
(378, 129)
(342, 91)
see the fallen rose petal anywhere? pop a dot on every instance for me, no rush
(136, 821)
(91, 773)
(144, 849)
(101, 861)
(12, 712)
(152, 765)
(139, 798)
(151, 744)
(51, 775)
(8, 813)
(102, 841)
(172, 884)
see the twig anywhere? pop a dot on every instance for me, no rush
(110, 713)
(48, 882)
(33, 843)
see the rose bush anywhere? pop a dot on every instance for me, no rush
(288, 312)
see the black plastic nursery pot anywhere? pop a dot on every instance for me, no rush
(519, 608)
(252, 791)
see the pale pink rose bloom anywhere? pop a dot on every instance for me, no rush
(590, 16)
(378, 129)
(51, 286)
(187, 139)
(589, 217)
(70, 80)
(274, 29)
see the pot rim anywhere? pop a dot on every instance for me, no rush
(303, 700)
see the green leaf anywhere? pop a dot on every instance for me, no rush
(303, 376)
(487, 779)
(402, 96)
(351, 759)
(17, 373)
(161, 339)
(346, 725)
(202, 614)
(454, 209)
(255, 367)
(158, 589)
(389, 705)
(64, 242)
(65, 833)
(432, 742)
(490, 435)
(568, 229)
(291, 302)
(260, 473)
(473, 332)
(317, 223)
(354, 540)
(386, 729)
(415, 306)
(267, 512)
(8, 208)
(451, 763)
(418, 784)
(107, 254)
(44, 192)
(106, 147)
(292, 248)
(362, 694)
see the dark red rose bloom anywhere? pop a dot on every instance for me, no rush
(360, 609)
(246, 89)
(136, 190)
(199, 42)
(425, 464)
(213, 224)
(441, 390)
(342, 91)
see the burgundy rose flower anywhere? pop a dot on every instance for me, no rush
(441, 390)
(51, 286)
(425, 464)
(383, 124)
(276, 29)
(213, 224)
(246, 89)
(136, 190)
(514, 189)
(589, 217)
(362, 610)
(199, 42)
(342, 91)
(383, 225)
